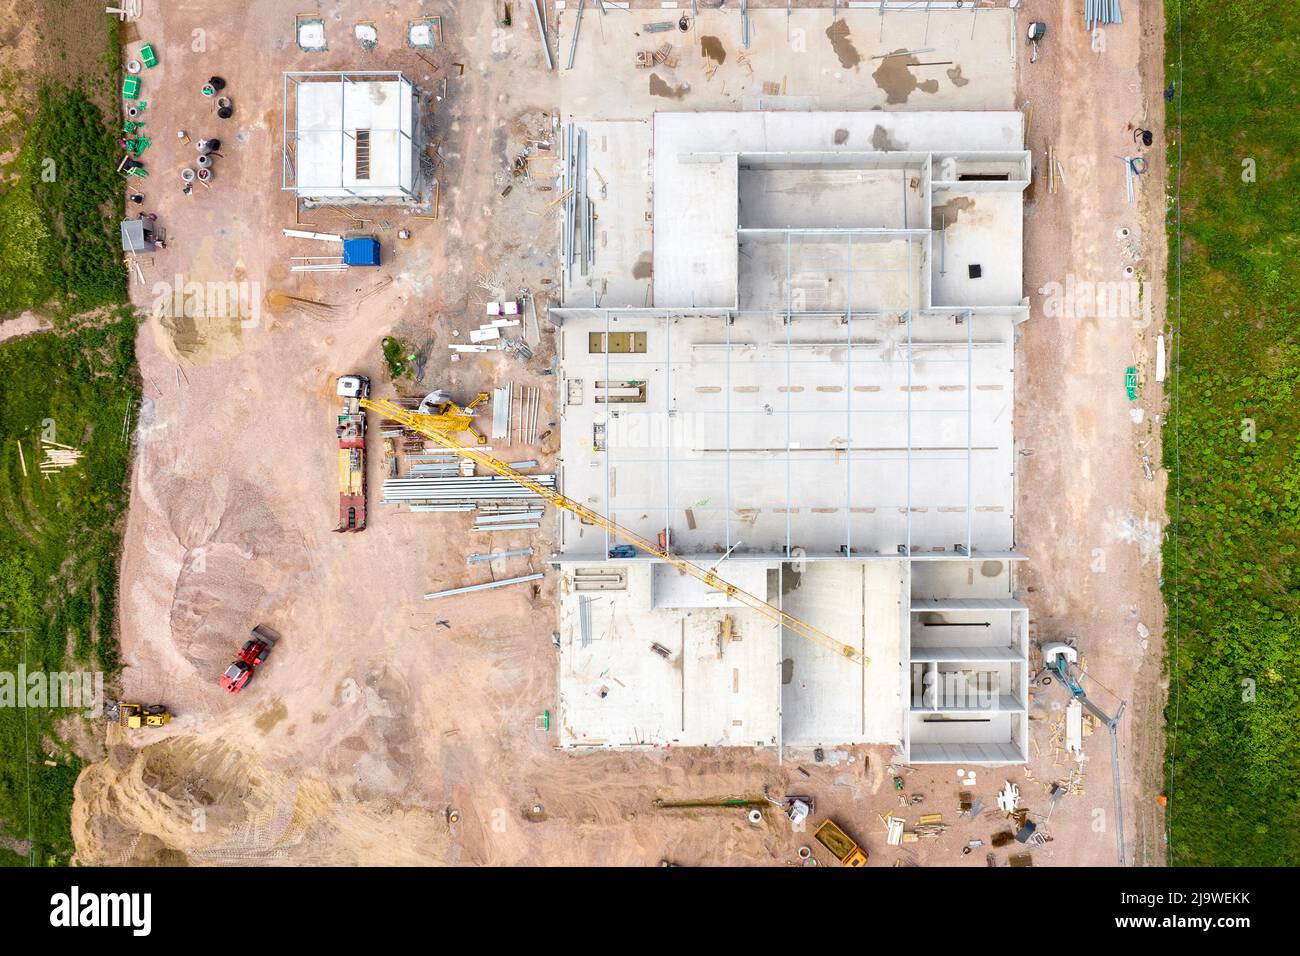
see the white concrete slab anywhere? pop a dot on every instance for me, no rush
(617, 691)
(328, 116)
(791, 436)
(803, 60)
(825, 699)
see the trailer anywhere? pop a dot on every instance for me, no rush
(840, 844)
(351, 430)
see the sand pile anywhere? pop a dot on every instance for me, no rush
(189, 801)
(236, 564)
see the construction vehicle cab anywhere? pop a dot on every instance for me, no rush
(353, 386)
(1061, 660)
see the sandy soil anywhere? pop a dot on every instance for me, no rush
(25, 324)
(1089, 520)
(46, 40)
(370, 720)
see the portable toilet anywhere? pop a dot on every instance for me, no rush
(361, 251)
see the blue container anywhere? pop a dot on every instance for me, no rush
(363, 251)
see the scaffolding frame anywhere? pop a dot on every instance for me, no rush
(289, 131)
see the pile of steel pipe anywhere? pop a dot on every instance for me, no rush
(439, 469)
(579, 210)
(457, 490)
(523, 516)
(1101, 12)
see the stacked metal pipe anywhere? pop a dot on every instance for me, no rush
(458, 493)
(579, 210)
(1101, 12)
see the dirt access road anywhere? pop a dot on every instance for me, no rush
(371, 719)
(1089, 520)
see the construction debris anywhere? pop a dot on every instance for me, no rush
(1009, 798)
(1097, 12)
(57, 457)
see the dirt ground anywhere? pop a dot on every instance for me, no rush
(370, 720)
(47, 41)
(1089, 521)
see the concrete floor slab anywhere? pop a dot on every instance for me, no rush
(818, 272)
(981, 229)
(831, 198)
(825, 699)
(620, 186)
(780, 436)
(809, 59)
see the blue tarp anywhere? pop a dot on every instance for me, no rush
(361, 252)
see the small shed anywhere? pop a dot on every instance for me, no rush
(361, 251)
(134, 238)
(350, 135)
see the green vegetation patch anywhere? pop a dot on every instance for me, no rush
(399, 356)
(59, 542)
(59, 213)
(1231, 577)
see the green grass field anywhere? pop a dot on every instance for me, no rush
(60, 203)
(58, 548)
(60, 209)
(1231, 577)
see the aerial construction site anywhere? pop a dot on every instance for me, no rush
(640, 433)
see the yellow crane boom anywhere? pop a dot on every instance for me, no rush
(425, 425)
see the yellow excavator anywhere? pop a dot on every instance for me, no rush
(439, 422)
(136, 716)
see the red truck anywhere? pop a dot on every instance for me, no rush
(351, 431)
(253, 653)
